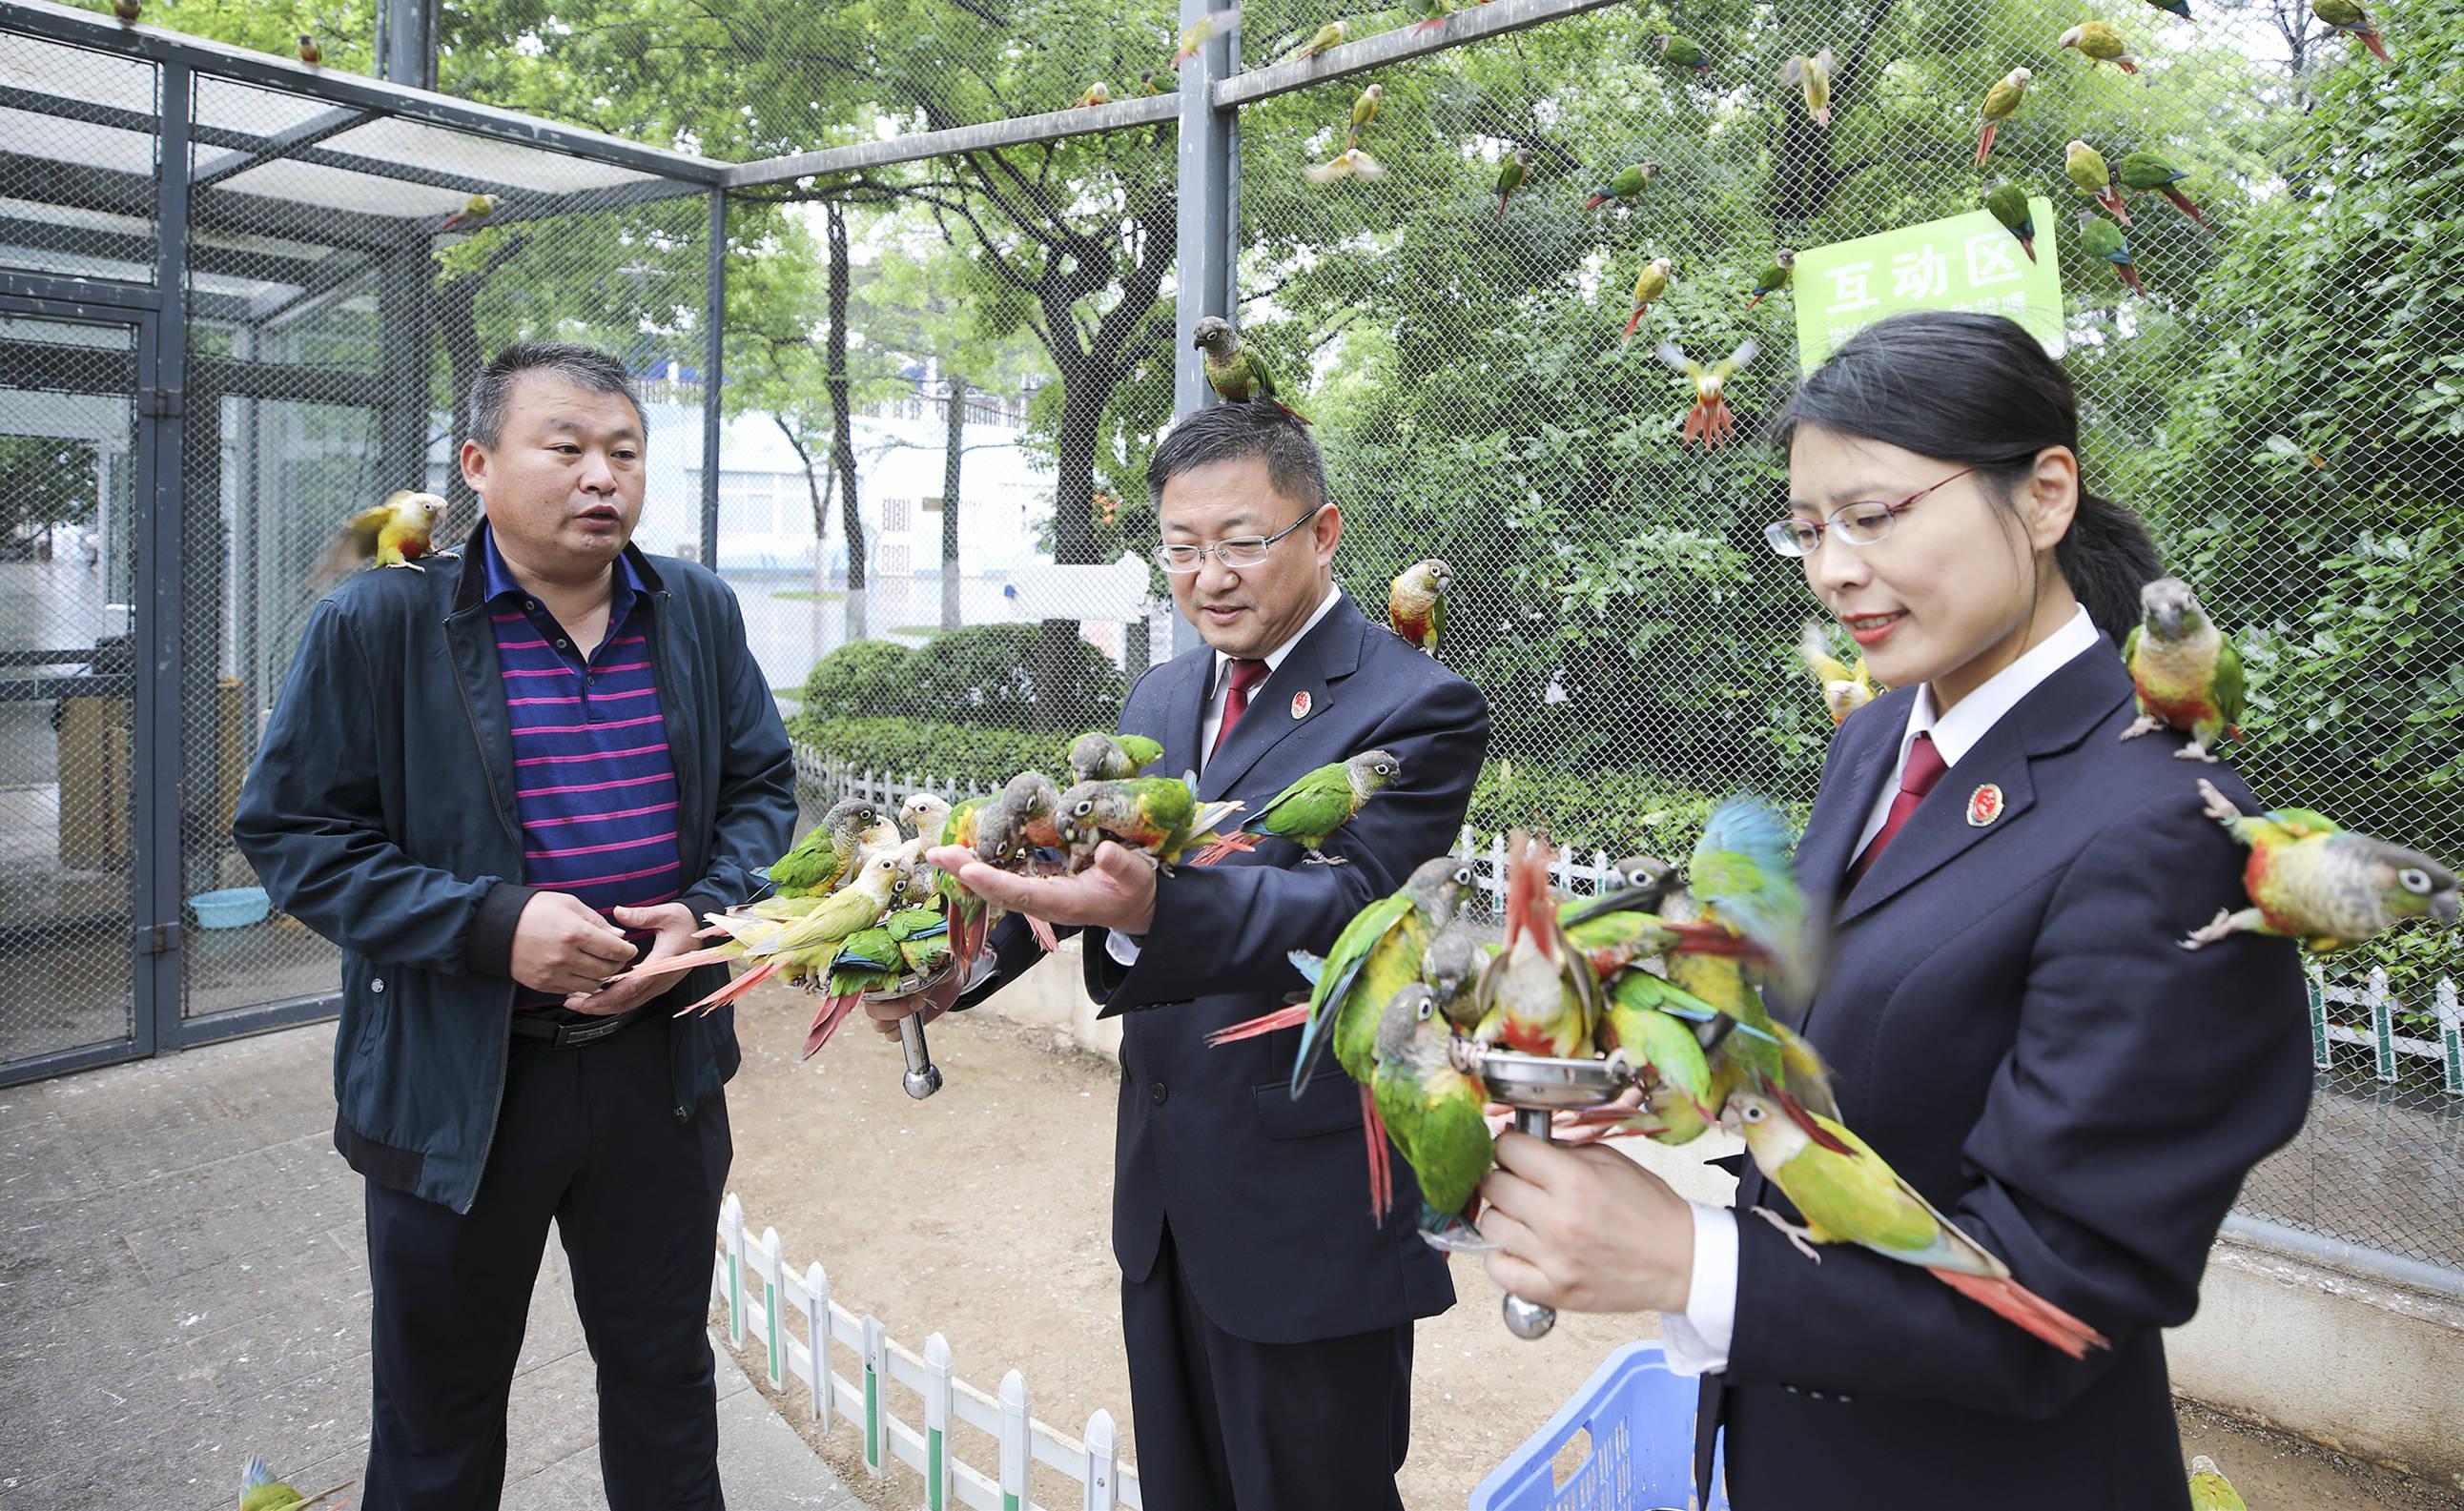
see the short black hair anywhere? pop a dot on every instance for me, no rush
(1226, 433)
(583, 366)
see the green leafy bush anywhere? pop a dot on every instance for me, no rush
(861, 679)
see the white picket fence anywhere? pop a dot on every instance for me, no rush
(2378, 1034)
(801, 1330)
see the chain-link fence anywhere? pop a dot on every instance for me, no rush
(946, 365)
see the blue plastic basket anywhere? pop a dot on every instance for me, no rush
(232, 907)
(1642, 1422)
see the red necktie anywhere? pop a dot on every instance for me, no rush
(1245, 677)
(1924, 767)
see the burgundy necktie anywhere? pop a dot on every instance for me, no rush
(1924, 767)
(1245, 677)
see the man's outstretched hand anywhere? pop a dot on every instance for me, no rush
(1116, 893)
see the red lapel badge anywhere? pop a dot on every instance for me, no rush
(1300, 705)
(1984, 806)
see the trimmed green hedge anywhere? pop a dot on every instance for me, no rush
(989, 676)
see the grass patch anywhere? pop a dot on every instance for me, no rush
(807, 594)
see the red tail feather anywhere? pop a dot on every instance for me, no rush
(734, 989)
(1630, 325)
(2125, 65)
(1240, 841)
(2027, 245)
(2130, 275)
(1042, 931)
(674, 963)
(1381, 1169)
(1985, 142)
(2377, 47)
(834, 1012)
(1293, 1016)
(2026, 1310)
(2182, 203)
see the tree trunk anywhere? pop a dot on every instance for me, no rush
(1061, 703)
(841, 419)
(954, 447)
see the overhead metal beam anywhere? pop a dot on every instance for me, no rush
(283, 143)
(120, 246)
(1147, 110)
(1493, 19)
(48, 180)
(86, 29)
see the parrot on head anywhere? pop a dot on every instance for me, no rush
(1848, 1194)
(477, 208)
(1844, 688)
(1194, 36)
(1683, 52)
(2009, 204)
(395, 533)
(2347, 16)
(1813, 76)
(1710, 418)
(1538, 995)
(1364, 110)
(1348, 163)
(1648, 289)
(260, 1491)
(1416, 603)
(2001, 102)
(1780, 275)
(1314, 806)
(1627, 185)
(2100, 43)
(1237, 374)
(1330, 35)
(2142, 171)
(824, 860)
(1512, 175)
(2102, 239)
(2325, 885)
(1434, 1112)
(2187, 670)
(2084, 167)
(310, 52)
(2210, 1490)
(1098, 756)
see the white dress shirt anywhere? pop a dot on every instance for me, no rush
(1120, 946)
(1696, 1342)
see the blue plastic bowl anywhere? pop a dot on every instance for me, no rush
(232, 907)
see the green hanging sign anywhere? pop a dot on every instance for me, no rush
(1968, 262)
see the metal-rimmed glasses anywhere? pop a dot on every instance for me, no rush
(1180, 558)
(1861, 524)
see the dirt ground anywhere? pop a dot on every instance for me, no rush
(984, 1213)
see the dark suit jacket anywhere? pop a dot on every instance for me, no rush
(1268, 1196)
(2014, 1026)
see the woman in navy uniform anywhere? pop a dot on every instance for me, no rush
(2010, 1018)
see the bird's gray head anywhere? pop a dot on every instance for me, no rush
(2416, 884)
(1075, 813)
(1212, 332)
(1451, 959)
(1370, 771)
(1091, 752)
(1435, 574)
(1030, 793)
(1786, 256)
(849, 817)
(1645, 872)
(1437, 885)
(2169, 608)
(1400, 1023)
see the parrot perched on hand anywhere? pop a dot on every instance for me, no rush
(1330, 35)
(2210, 1490)
(971, 917)
(1314, 806)
(1813, 76)
(2325, 885)
(396, 532)
(2009, 204)
(1844, 688)
(2084, 167)
(2102, 239)
(1416, 603)
(824, 860)
(1195, 35)
(1710, 418)
(1626, 185)
(1848, 1194)
(1780, 275)
(1648, 290)
(477, 208)
(260, 1491)
(2347, 16)
(1538, 995)
(1237, 374)
(1364, 110)
(1098, 756)
(1350, 163)
(1157, 816)
(310, 52)
(2100, 43)
(1019, 823)
(800, 948)
(2187, 670)
(1434, 1112)
(1512, 175)
(1683, 52)
(2142, 171)
(2001, 102)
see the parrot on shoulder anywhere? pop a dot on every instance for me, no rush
(260, 1491)
(1237, 374)
(2311, 880)
(1434, 1112)
(1099, 757)
(2187, 670)
(1416, 603)
(2001, 103)
(1627, 184)
(1813, 76)
(2210, 1490)
(2099, 42)
(396, 532)
(1848, 1194)
(1709, 419)
(2009, 205)
(1309, 810)
(2347, 16)
(1845, 689)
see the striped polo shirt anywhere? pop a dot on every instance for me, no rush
(592, 782)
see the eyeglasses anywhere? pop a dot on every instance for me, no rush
(1859, 524)
(1241, 551)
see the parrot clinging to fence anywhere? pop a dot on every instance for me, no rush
(2142, 171)
(1194, 36)
(2347, 16)
(1683, 52)
(2210, 1490)
(1512, 175)
(2102, 239)
(1813, 76)
(2099, 42)
(2001, 102)
(1098, 756)
(396, 532)
(1309, 810)
(824, 860)
(1349, 164)
(2310, 880)
(260, 1491)
(1627, 184)
(1780, 275)
(477, 208)
(1364, 110)
(1236, 373)
(2084, 167)
(1845, 689)
(1416, 603)
(1649, 288)
(2009, 205)
(2187, 670)
(1848, 1194)
(1434, 1112)
(1710, 418)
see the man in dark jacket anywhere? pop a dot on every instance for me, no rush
(494, 782)
(1268, 1317)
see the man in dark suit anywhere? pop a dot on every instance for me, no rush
(1268, 1318)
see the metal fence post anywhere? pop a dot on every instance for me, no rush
(713, 343)
(1209, 225)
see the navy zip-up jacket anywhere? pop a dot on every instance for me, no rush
(381, 813)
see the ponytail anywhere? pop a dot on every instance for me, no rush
(2107, 558)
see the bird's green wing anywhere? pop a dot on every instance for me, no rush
(1143, 752)
(1651, 1038)
(1315, 805)
(1858, 1199)
(2130, 645)
(1451, 1148)
(2230, 689)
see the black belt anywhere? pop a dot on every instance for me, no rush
(565, 1036)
